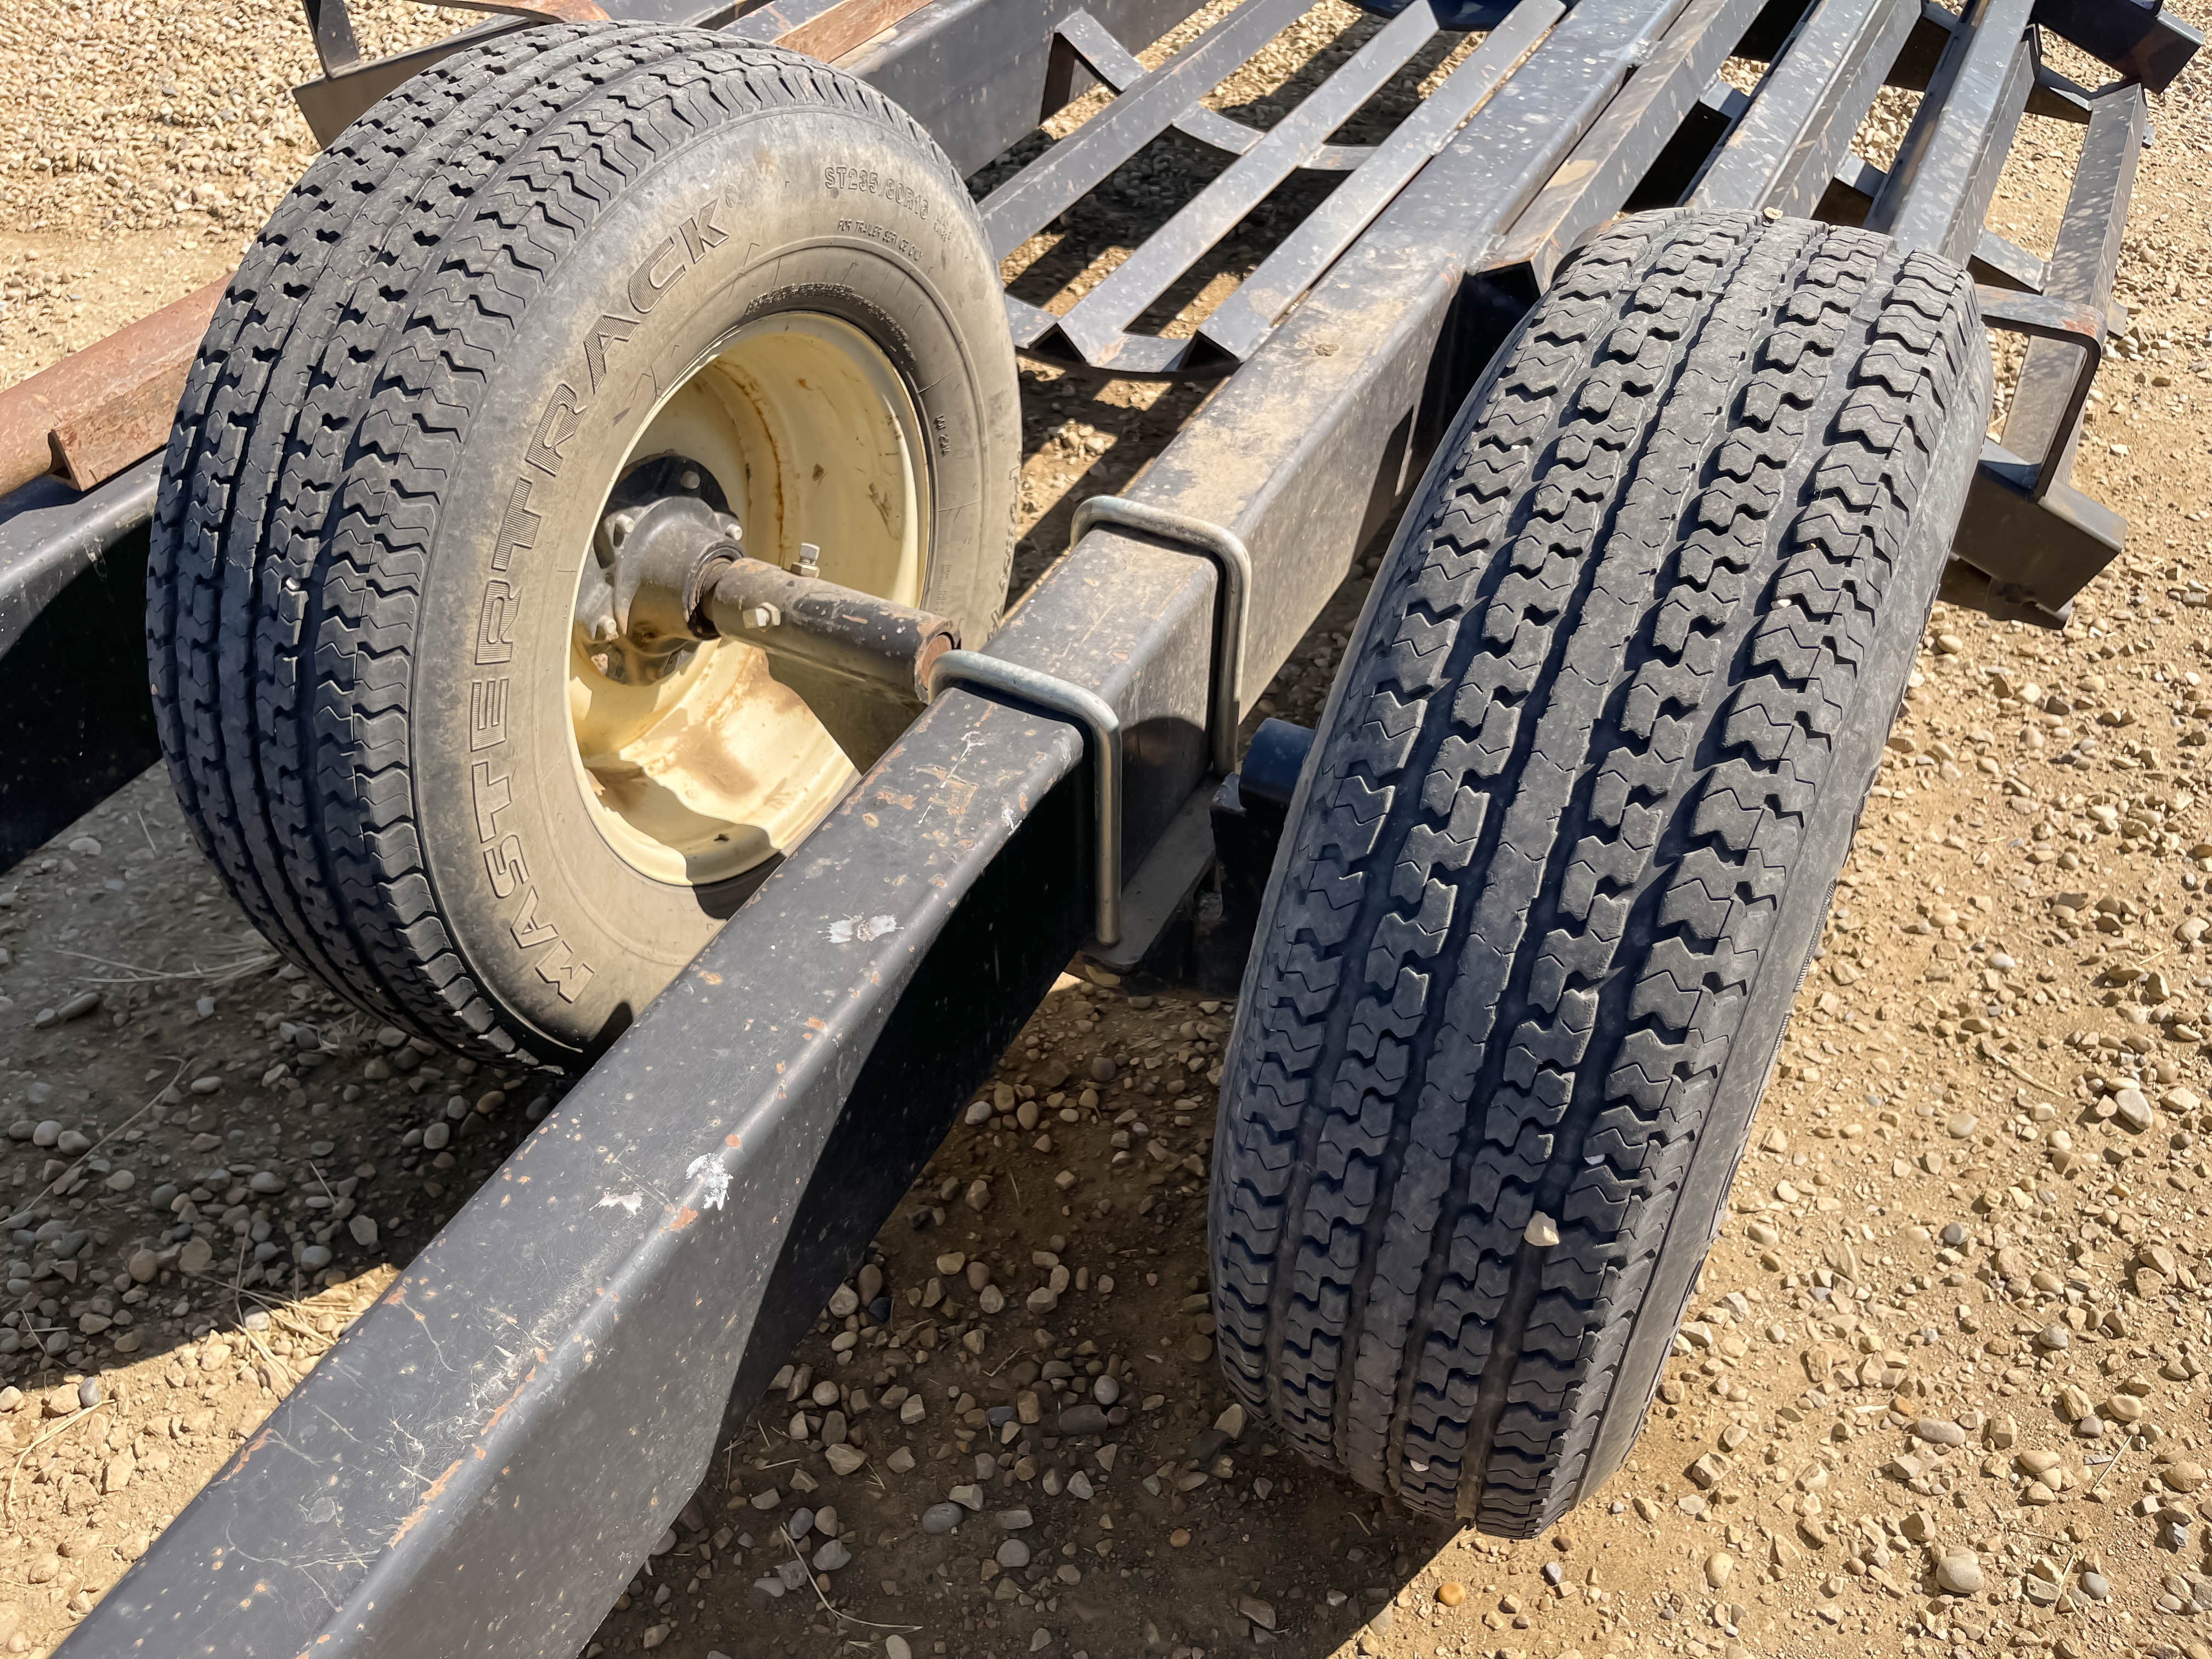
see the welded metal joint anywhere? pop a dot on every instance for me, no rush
(1102, 736)
(1232, 609)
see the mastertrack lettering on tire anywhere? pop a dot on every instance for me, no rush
(1564, 845)
(401, 433)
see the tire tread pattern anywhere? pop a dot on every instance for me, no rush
(1557, 792)
(301, 487)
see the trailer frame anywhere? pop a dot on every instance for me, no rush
(650, 1253)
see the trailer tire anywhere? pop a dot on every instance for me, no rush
(1564, 845)
(576, 260)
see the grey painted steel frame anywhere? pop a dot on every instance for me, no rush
(582, 1324)
(409, 1497)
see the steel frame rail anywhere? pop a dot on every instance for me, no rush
(649, 1254)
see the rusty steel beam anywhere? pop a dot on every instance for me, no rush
(93, 413)
(826, 29)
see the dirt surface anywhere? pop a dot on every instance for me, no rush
(1944, 1388)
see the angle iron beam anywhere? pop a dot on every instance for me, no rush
(1934, 197)
(2005, 264)
(2059, 97)
(1805, 110)
(1080, 162)
(330, 28)
(88, 416)
(2085, 258)
(1622, 143)
(334, 102)
(1094, 326)
(1118, 68)
(827, 29)
(1729, 102)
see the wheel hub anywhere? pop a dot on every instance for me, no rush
(636, 599)
(694, 760)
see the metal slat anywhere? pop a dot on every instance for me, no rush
(1803, 113)
(1995, 259)
(1947, 169)
(1728, 102)
(1079, 163)
(1118, 68)
(2083, 261)
(1241, 322)
(1307, 449)
(1095, 325)
(1596, 180)
(2006, 264)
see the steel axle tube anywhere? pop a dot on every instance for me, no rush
(856, 635)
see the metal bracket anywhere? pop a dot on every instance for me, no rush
(2043, 317)
(1234, 560)
(1102, 735)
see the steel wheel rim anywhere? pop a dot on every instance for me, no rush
(809, 433)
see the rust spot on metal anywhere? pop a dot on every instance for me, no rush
(492, 1421)
(246, 1452)
(684, 1218)
(436, 1491)
(733, 1140)
(711, 979)
(817, 1025)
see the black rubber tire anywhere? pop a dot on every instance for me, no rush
(343, 548)
(1566, 843)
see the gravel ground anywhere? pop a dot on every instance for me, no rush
(1944, 1390)
(142, 147)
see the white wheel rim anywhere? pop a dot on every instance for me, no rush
(812, 437)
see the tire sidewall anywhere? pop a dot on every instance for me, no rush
(810, 210)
